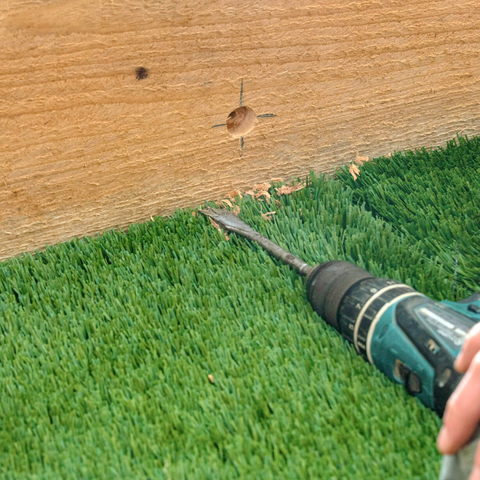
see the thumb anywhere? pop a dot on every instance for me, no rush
(470, 348)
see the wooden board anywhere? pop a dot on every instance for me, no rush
(87, 144)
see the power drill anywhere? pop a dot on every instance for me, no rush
(411, 338)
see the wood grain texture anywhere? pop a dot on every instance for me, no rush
(86, 146)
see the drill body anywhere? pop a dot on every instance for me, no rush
(411, 338)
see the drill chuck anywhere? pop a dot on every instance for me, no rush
(352, 300)
(327, 285)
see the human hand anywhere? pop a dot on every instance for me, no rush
(462, 413)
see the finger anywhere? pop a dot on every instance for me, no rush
(470, 348)
(462, 413)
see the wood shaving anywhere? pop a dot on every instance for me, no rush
(251, 193)
(287, 190)
(194, 214)
(234, 194)
(215, 224)
(227, 202)
(261, 187)
(236, 210)
(354, 171)
(263, 193)
(283, 190)
(268, 215)
(360, 160)
(210, 378)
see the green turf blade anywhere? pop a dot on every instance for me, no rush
(434, 198)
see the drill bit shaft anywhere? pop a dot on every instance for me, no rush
(232, 223)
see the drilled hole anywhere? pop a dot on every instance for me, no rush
(241, 121)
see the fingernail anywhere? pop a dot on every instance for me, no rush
(443, 440)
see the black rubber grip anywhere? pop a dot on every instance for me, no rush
(327, 285)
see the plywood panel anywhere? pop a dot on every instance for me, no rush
(86, 145)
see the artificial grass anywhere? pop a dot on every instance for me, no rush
(434, 198)
(107, 344)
